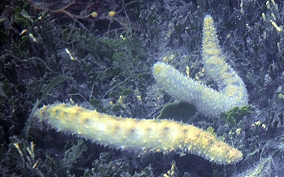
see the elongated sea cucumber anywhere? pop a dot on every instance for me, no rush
(145, 135)
(232, 91)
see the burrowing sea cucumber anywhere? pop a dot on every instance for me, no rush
(145, 135)
(231, 88)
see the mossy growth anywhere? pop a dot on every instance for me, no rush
(113, 60)
(234, 116)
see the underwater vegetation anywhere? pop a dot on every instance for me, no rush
(99, 55)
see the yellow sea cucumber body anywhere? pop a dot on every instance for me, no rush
(137, 134)
(231, 88)
(227, 80)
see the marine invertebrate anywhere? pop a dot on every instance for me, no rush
(142, 135)
(146, 135)
(232, 91)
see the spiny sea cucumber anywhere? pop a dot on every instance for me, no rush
(145, 135)
(231, 88)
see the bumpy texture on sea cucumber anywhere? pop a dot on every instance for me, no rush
(232, 91)
(137, 134)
